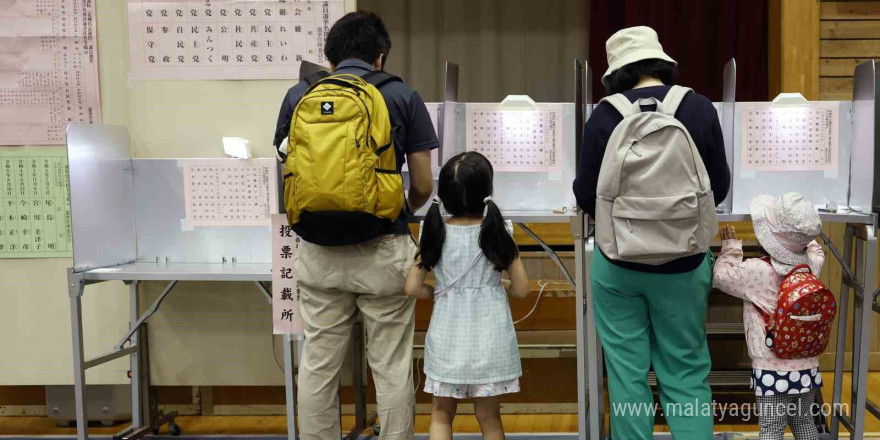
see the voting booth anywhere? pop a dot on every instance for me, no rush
(827, 151)
(177, 220)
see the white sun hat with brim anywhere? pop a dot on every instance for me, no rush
(633, 44)
(785, 226)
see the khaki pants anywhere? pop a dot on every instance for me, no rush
(335, 282)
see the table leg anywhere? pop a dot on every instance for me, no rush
(866, 263)
(594, 357)
(840, 348)
(75, 288)
(137, 392)
(290, 384)
(580, 314)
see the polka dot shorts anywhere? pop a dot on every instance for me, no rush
(774, 383)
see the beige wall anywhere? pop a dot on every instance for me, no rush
(206, 333)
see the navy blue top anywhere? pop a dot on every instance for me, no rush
(407, 110)
(697, 114)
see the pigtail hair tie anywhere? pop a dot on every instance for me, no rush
(436, 200)
(487, 199)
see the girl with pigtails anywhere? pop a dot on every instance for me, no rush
(470, 349)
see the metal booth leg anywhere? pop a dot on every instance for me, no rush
(591, 397)
(596, 385)
(866, 263)
(845, 260)
(589, 348)
(75, 288)
(290, 384)
(577, 232)
(145, 410)
(140, 402)
(138, 393)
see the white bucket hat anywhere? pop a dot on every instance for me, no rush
(784, 227)
(633, 44)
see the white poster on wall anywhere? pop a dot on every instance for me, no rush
(517, 140)
(286, 317)
(228, 39)
(48, 70)
(230, 192)
(800, 138)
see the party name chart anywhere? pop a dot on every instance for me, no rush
(224, 192)
(803, 138)
(228, 39)
(516, 140)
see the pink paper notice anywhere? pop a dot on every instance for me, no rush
(48, 69)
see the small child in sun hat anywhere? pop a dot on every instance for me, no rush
(786, 227)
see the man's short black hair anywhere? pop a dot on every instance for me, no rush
(360, 35)
(629, 75)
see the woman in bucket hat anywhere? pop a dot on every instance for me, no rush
(652, 315)
(786, 227)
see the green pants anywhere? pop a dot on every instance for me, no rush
(658, 320)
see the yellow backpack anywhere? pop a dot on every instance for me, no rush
(341, 180)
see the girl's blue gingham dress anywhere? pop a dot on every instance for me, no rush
(470, 339)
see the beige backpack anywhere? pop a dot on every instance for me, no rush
(654, 203)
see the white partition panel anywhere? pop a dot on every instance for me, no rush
(101, 196)
(163, 236)
(821, 187)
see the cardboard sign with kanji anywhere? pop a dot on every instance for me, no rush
(286, 318)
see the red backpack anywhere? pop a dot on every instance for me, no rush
(801, 326)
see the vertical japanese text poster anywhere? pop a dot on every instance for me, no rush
(801, 138)
(229, 192)
(48, 69)
(286, 318)
(228, 39)
(34, 203)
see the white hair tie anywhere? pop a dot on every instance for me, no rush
(436, 200)
(487, 199)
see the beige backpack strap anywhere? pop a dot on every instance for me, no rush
(672, 100)
(622, 104)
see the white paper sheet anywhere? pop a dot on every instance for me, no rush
(286, 317)
(228, 39)
(789, 138)
(48, 69)
(517, 140)
(230, 192)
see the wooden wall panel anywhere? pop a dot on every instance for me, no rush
(839, 67)
(793, 47)
(866, 10)
(850, 35)
(850, 48)
(837, 29)
(22, 395)
(836, 88)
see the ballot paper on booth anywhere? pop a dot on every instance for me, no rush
(286, 317)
